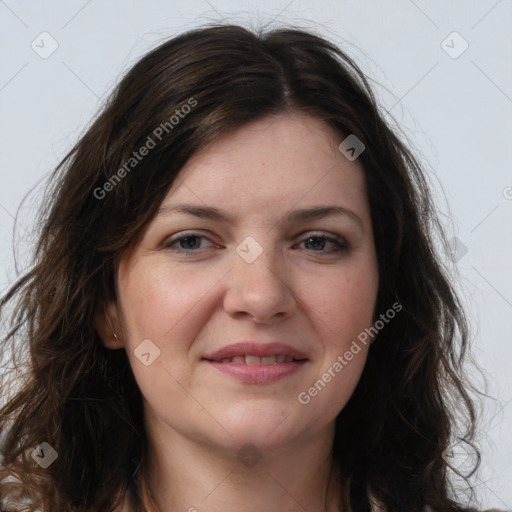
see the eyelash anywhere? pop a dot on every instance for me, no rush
(342, 244)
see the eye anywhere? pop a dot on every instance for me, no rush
(319, 241)
(187, 243)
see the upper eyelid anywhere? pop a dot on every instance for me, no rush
(311, 233)
(200, 233)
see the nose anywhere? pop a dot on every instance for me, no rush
(259, 289)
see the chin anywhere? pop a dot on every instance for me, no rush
(268, 429)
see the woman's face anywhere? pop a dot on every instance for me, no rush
(251, 277)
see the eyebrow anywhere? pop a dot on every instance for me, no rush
(295, 216)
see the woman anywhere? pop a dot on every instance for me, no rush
(305, 353)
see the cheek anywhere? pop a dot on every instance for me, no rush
(333, 385)
(168, 307)
(343, 304)
(156, 300)
(157, 304)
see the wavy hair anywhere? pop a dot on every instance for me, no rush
(82, 398)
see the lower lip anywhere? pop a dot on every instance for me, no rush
(258, 373)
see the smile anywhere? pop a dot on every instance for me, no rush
(257, 360)
(254, 362)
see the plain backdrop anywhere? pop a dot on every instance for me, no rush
(441, 69)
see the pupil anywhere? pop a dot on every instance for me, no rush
(322, 242)
(189, 242)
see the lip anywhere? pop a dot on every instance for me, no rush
(255, 349)
(257, 373)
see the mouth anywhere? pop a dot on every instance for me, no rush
(257, 363)
(256, 360)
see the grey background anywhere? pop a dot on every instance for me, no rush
(455, 112)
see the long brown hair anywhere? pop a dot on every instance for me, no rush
(82, 398)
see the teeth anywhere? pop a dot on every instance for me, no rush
(249, 359)
(252, 360)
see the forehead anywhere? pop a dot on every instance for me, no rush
(274, 162)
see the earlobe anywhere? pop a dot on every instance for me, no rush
(106, 323)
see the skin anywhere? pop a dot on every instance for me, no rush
(305, 294)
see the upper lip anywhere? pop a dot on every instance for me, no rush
(253, 348)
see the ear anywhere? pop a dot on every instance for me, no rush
(108, 326)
